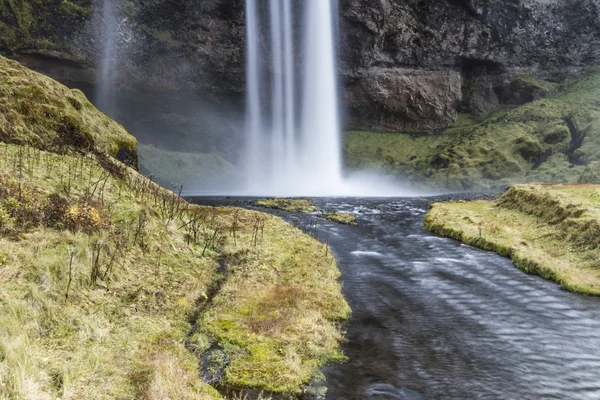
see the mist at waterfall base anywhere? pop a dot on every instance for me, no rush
(294, 137)
(292, 131)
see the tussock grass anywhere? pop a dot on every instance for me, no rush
(89, 313)
(103, 309)
(550, 230)
(342, 218)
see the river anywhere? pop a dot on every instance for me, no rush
(436, 319)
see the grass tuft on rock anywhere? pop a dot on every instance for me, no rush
(342, 218)
(549, 230)
(289, 205)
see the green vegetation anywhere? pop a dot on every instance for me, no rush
(35, 24)
(549, 140)
(40, 112)
(69, 9)
(289, 205)
(529, 79)
(553, 231)
(112, 287)
(307, 207)
(161, 36)
(342, 218)
(199, 170)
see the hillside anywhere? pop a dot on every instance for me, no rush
(112, 287)
(551, 140)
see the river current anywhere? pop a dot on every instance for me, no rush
(436, 319)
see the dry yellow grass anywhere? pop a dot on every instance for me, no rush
(552, 231)
(125, 332)
(112, 287)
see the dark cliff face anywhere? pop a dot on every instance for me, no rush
(406, 65)
(410, 65)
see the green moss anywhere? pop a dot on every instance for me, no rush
(40, 112)
(342, 218)
(161, 36)
(128, 9)
(531, 80)
(528, 143)
(70, 10)
(289, 205)
(547, 230)
(40, 25)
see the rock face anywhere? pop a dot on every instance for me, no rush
(406, 65)
(477, 46)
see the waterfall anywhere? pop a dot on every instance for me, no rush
(107, 36)
(292, 118)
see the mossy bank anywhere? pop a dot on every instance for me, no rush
(553, 140)
(112, 287)
(549, 230)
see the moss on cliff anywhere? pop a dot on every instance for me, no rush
(38, 24)
(549, 140)
(552, 231)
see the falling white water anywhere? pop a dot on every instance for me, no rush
(294, 135)
(293, 150)
(107, 35)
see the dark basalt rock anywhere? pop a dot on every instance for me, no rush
(406, 65)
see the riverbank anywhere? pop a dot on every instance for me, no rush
(549, 230)
(113, 287)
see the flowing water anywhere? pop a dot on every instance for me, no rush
(435, 319)
(107, 37)
(293, 128)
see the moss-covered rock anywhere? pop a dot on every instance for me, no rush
(342, 218)
(288, 204)
(41, 25)
(548, 140)
(40, 112)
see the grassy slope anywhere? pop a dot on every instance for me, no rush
(38, 111)
(145, 269)
(529, 143)
(552, 231)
